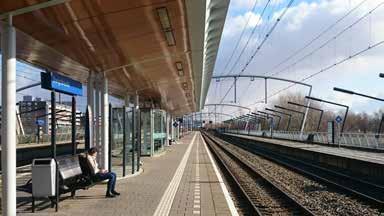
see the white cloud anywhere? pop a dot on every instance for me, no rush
(301, 24)
(234, 25)
(241, 4)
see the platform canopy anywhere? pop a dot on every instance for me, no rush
(163, 49)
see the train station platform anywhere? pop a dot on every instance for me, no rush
(183, 181)
(366, 163)
(373, 157)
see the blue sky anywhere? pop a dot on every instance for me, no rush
(301, 24)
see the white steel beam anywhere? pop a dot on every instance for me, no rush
(97, 118)
(8, 128)
(104, 123)
(90, 107)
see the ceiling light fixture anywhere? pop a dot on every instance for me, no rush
(170, 38)
(179, 68)
(180, 73)
(165, 23)
(185, 85)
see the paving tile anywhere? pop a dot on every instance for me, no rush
(140, 195)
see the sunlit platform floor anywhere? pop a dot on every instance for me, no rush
(196, 190)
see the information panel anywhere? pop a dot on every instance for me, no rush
(60, 83)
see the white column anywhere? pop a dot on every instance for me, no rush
(167, 128)
(172, 129)
(90, 107)
(127, 100)
(104, 124)
(97, 117)
(8, 127)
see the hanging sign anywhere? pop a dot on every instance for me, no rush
(60, 83)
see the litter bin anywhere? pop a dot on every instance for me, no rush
(43, 177)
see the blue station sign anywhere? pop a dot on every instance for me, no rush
(40, 122)
(60, 83)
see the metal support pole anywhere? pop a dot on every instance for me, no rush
(8, 128)
(124, 141)
(73, 125)
(193, 121)
(235, 89)
(104, 123)
(138, 130)
(289, 122)
(215, 113)
(110, 139)
(306, 113)
(380, 126)
(278, 123)
(266, 90)
(345, 119)
(86, 130)
(321, 117)
(53, 146)
(134, 147)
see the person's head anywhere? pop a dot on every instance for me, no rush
(92, 151)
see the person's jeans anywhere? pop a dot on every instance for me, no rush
(111, 176)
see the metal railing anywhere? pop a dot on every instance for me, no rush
(63, 136)
(358, 140)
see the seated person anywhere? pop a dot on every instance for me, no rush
(102, 174)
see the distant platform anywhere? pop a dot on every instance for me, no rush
(372, 157)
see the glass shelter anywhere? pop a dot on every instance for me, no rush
(153, 131)
(124, 141)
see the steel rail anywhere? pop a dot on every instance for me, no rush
(295, 206)
(368, 191)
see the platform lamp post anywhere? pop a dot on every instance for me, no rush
(283, 113)
(367, 96)
(309, 107)
(270, 114)
(336, 104)
(295, 111)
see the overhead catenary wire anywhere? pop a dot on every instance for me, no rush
(370, 47)
(250, 37)
(336, 36)
(241, 36)
(322, 33)
(261, 43)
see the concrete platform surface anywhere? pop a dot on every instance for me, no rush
(183, 181)
(372, 157)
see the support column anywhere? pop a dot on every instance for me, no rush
(8, 128)
(167, 122)
(172, 128)
(91, 107)
(104, 123)
(97, 118)
(306, 114)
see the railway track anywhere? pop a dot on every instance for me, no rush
(364, 190)
(262, 194)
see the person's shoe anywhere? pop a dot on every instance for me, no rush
(109, 195)
(115, 193)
